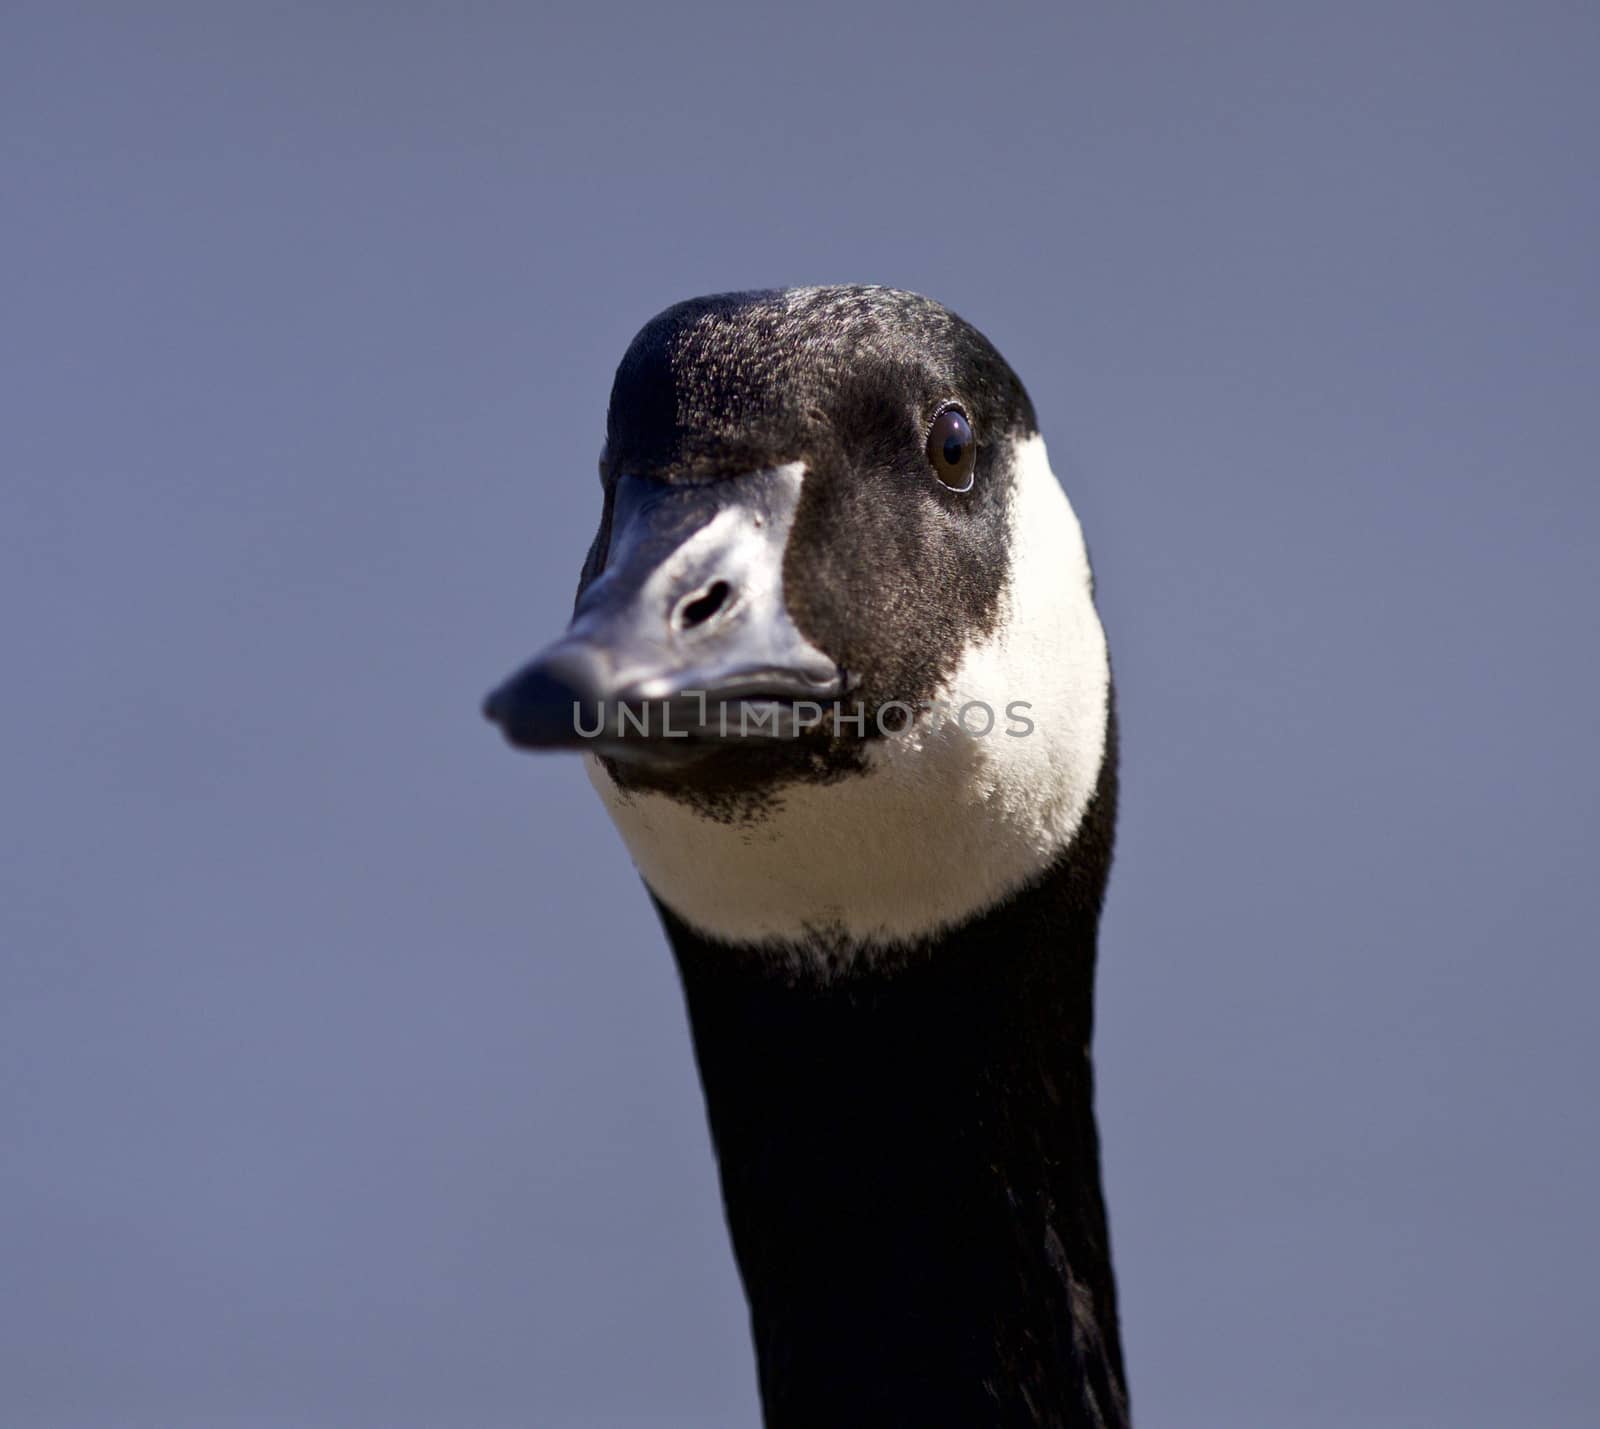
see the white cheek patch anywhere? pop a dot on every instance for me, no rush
(943, 823)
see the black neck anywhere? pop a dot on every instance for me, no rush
(911, 1169)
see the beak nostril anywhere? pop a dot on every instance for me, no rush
(698, 609)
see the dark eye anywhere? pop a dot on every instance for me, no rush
(952, 450)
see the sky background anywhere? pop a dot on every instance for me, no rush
(344, 1078)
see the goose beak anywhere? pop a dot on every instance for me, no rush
(685, 622)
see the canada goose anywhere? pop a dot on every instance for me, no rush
(837, 674)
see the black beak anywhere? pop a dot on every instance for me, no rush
(685, 624)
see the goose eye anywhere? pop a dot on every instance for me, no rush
(952, 450)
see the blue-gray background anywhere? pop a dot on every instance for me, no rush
(343, 1075)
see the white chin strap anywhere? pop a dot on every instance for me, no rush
(946, 821)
